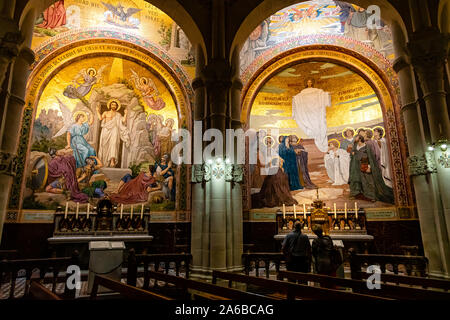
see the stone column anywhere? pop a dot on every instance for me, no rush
(12, 111)
(426, 52)
(216, 235)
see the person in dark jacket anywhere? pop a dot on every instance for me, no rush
(297, 249)
(322, 248)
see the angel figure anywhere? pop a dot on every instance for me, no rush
(77, 126)
(116, 15)
(148, 90)
(80, 89)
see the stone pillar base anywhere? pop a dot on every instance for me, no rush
(202, 273)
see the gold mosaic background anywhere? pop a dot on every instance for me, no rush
(353, 100)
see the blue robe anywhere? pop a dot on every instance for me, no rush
(81, 148)
(290, 165)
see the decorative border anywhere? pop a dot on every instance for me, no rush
(223, 171)
(384, 83)
(8, 163)
(70, 37)
(335, 40)
(422, 165)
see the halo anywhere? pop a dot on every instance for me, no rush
(77, 113)
(348, 128)
(91, 69)
(119, 105)
(339, 144)
(267, 137)
(363, 128)
(384, 130)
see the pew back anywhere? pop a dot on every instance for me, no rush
(187, 284)
(291, 290)
(20, 272)
(39, 292)
(360, 286)
(125, 291)
(413, 265)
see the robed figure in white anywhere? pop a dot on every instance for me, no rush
(337, 164)
(385, 160)
(113, 131)
(309, 111)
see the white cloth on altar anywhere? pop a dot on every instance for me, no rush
(309, 111)
(385, 162)
(337, 164)
(112, 132)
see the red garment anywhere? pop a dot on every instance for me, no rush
(65, 166)
(134, 191)
(54, 16)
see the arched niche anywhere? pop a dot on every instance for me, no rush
(383, 84)
(166, 73)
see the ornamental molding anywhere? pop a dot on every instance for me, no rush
(9, 45)
(8, 164)
(222, 171)
(444, 160)
(422, 164)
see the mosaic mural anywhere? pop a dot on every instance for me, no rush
(137, 18)
(326, 21)
(103, 127)
(327, 125)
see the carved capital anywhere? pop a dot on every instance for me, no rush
(200, 173)
(421, 165)
(8, 163)
(234, 173)
(399, 64)
(444, 160)
(228, 172)
(9, 45)
(428, 50)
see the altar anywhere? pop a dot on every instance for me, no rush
(346, 227)
(74, 230)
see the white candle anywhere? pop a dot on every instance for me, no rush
(87, 212)
(67, 209)
(142, 211)
(356, 210)
(304, 211)
(131, 214)
(121, 210)
(284, 211)
(76, 212)
(295, 213)
(335, 214)
(345, 210)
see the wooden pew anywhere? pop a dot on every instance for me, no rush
(8, 254)
(180, 261)
(125, 291)
(360, 286)
(290, 290)
(255, 258)
(219, 292)
(39, 292)
(412, 264)
(11, 269)
(419, 282)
